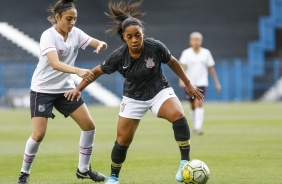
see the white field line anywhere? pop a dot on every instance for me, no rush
(274, 93)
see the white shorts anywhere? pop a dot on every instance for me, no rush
(136, 109)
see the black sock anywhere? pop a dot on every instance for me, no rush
(118, 157)
(182, 137)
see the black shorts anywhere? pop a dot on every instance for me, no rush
(187, 96)
(41, 104)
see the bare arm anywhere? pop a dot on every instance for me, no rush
(181, 83)
(215, 79)
(76, 93)
(97, 71)
(63, 67)
(98, 45)
(178, 70)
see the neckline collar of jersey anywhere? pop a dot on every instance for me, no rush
(61, 36)
(200, 49)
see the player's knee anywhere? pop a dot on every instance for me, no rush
(90, 125)
(198, 104)
(124, 141)
(38, 136)
(176, 115)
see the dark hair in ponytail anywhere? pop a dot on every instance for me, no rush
(123, 15)
(60, 7)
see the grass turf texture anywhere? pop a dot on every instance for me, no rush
(242, 144)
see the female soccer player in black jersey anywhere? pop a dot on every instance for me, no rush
(145, 87)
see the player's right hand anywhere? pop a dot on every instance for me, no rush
(86, 75)
(71, 95)
(195, 92)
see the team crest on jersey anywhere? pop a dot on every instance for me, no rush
(41, 108)
(60, 51)
(150, 63)
(122, 107)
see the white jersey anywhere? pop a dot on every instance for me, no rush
(197, 65)
(47, 80)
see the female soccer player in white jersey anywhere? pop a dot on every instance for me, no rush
(59, 47)
(139, 61)
(197, 62)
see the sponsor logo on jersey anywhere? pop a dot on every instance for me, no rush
(41, 108)
(150, 63)
(122, 107)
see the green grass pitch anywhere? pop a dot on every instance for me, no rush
(242, 144)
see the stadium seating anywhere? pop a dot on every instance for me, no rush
(227, 27)
(9, 52)
(266, 43)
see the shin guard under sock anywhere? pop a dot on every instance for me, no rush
(182, 137)
(118, 157)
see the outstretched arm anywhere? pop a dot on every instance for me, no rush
(178, 70)
(76, 93)
(98, 45)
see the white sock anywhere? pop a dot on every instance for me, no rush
(192, 117)
(85, 149)
(31, 149)
(199, 118)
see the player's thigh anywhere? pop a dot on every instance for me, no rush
(65, 106)
(41, 104)
(133, 109)
(171, 110)
(39, 128)
(126, 129)
(83, 118)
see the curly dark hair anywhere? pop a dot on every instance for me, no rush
(124, 15)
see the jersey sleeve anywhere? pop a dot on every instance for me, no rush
(110, 65)
(84, 39)
(164, 53)
(210, 60)
(47, 43)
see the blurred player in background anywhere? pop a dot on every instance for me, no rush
(139, 61)
(197, 62)
(59, 47)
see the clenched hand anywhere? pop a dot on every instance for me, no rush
(86, 75)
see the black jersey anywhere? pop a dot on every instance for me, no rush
(143, 76)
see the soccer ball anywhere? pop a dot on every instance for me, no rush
(195, 172)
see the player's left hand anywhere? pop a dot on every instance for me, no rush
(194, 92)
(218, 87)
(71, 95)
